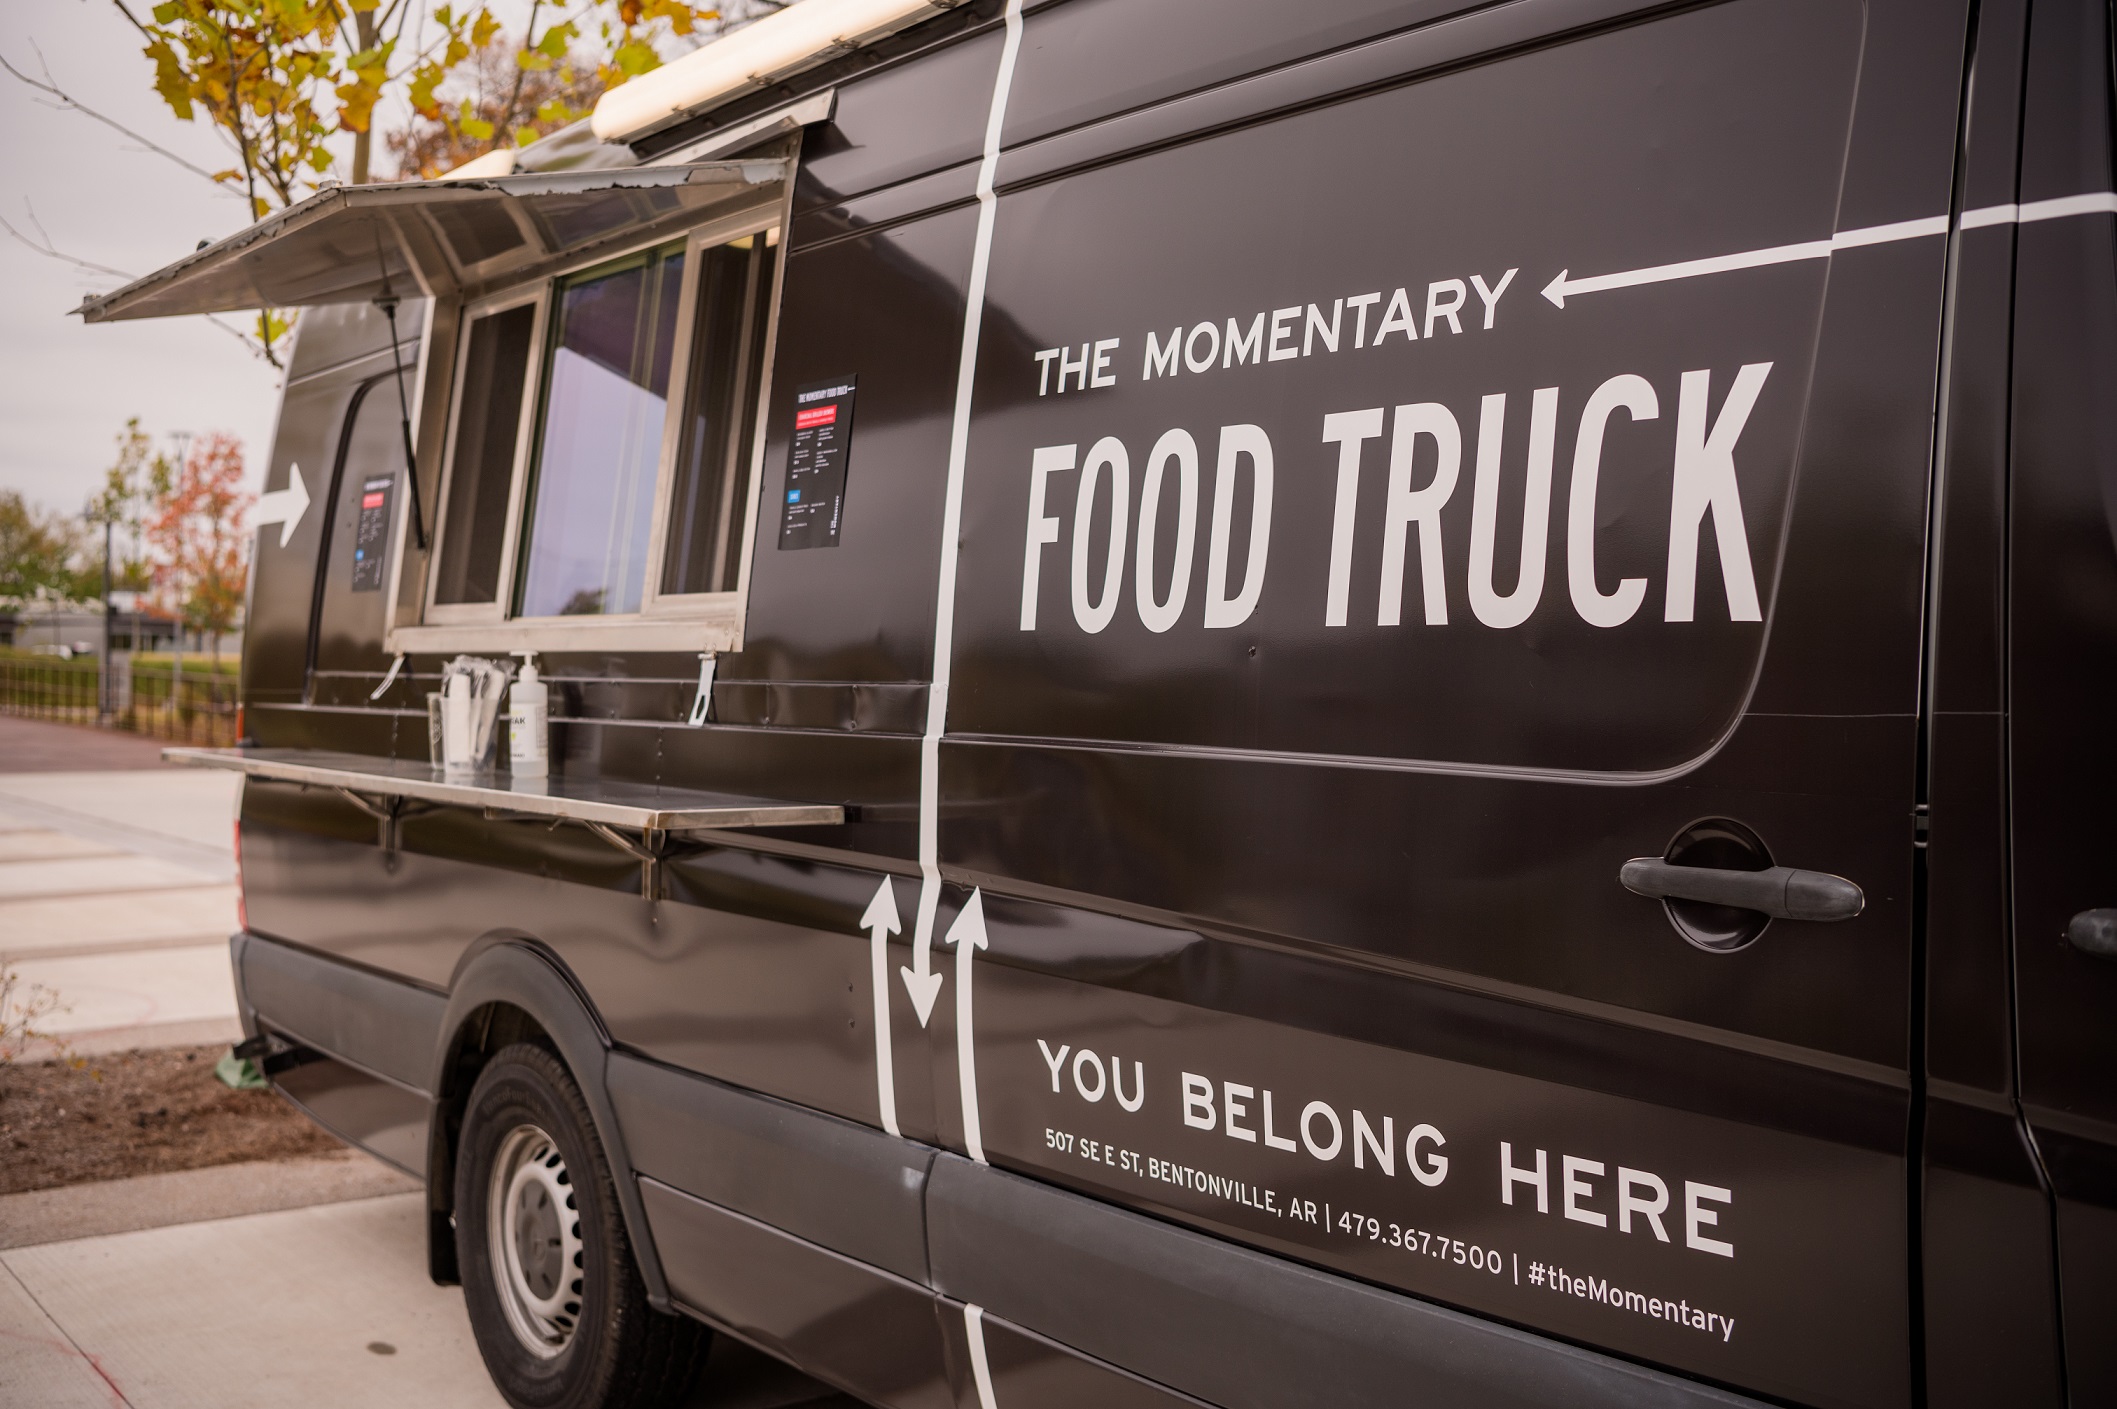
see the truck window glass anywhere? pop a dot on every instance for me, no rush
(735, 283)
(495, 360)
(599, 443)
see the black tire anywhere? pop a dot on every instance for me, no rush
(556, 1336)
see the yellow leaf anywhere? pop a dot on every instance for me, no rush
(169, 79)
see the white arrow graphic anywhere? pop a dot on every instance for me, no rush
(968, 935)
(1563, 287)
(920, 980)
(283, 506)
(2028, 213)
(880, 921)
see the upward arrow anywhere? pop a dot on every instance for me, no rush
(881, 916)
(880, 921)
(283, 506)
(967, 934)
(920, 980)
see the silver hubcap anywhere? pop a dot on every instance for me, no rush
(536, 1241)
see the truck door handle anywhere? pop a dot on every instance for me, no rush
(2094, 932)
(1780, 892)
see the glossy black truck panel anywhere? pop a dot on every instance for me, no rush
(1445, 779)
(2063, 619)
(1329, 487)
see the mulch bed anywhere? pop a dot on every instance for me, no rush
(133, 1113)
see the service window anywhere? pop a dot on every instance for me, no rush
(602, 443)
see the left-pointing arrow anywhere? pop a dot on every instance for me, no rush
(1565, 286)
(283, 506)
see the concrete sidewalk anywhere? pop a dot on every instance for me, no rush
(248, 1286)
(40, 746)
(117, 895)
(320, 1306)
(325, 1305)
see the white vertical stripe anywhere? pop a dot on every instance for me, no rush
(980, 1371)
(952, 500)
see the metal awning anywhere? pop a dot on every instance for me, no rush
(340, 245)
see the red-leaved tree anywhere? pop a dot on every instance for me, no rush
(201, 551)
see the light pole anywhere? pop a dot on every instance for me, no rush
(102, 511)
(106, 706)
(176, 669)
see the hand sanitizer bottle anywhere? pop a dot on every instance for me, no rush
(528, 721)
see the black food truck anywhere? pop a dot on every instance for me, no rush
(1390, 702)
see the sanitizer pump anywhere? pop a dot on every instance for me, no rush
(529, 721)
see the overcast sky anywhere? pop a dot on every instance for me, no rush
(66, 388)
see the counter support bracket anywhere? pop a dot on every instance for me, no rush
(647, 851)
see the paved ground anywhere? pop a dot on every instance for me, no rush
(325, 1307)
(270, 1309)
(246, 1287)
(322, 1301)
(33, 746)
(116, 886)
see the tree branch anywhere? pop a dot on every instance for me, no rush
(44, 246)
(49, 252)
(67, 102)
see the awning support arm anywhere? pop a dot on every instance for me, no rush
(388, 304)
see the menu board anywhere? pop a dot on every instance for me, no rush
(371, 532)
(814, 502)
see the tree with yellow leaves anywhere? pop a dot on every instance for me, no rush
(283, 79)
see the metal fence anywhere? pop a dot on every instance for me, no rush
(187, 703)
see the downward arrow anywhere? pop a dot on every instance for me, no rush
(880, 921)
(920, 980)
(283, 506)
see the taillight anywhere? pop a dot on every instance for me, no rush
(242, 909)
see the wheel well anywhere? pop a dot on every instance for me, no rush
(484, 1032)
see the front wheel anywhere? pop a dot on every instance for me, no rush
(554, 1296)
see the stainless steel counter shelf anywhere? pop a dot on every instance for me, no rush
(381, 787)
